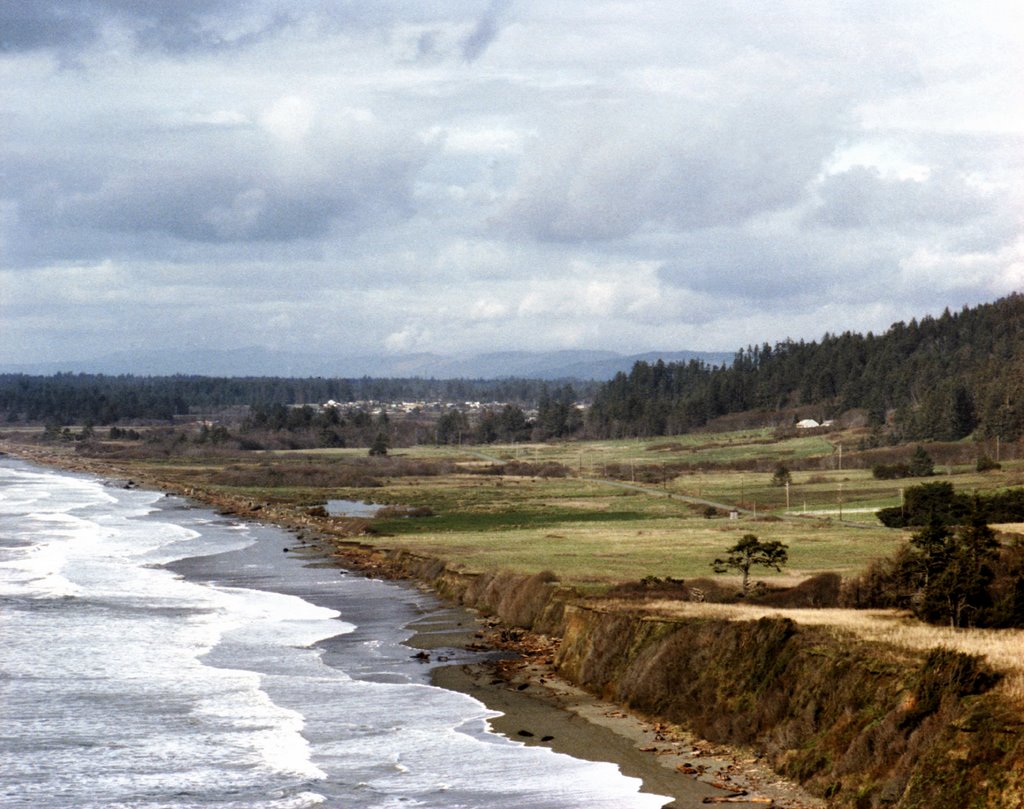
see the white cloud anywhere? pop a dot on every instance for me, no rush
(481, 140)
(409, 338)
(999, 273)
(289, 118)
(488, 309)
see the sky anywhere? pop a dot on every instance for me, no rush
(467, 176)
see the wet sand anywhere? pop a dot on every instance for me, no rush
(538, 707)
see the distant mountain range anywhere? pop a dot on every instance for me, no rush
(550, 365)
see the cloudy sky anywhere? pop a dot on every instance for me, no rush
(479, 175)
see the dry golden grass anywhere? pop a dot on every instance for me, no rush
(1003, 648)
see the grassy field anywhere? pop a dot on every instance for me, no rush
(592, 529)
(603, 521)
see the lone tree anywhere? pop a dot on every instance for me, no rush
(921, 464)
(380, 445)
(751, 551)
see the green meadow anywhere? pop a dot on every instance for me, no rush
(597, 513)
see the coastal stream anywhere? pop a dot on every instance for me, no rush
(156, 654)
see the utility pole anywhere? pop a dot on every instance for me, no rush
(787, 495)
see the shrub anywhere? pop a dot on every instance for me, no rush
(986, 464)
(817, 592)
(890, 471)
(400, 512)
(547, 469)
(781, 476)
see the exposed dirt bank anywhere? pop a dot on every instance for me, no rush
(860, 724)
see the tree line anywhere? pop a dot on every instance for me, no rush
(954, 570)
(556, 415)
(930, 379)
(106, 399)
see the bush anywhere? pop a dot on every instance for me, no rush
(817, 592)
(986, 464)
(401, 512)
(890, 471)
(547, 469)
(781, 476)
(940, 501)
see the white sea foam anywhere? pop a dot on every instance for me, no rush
(434, 746)
(36, 571)
(150, 689)
(300, 801)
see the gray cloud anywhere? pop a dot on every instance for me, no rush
(694, 168)
(200, 193)
(463, 174)
(773, 269)
(179, 27)
(485, 30)
(30, 26)
(862, 197)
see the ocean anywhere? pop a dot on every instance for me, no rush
(156, 654)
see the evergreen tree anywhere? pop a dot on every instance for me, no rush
(380, 444)
(921, 464)
(955, 571)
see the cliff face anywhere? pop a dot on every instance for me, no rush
(865, 725)
(861, 724)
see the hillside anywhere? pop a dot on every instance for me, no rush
(936, 378)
